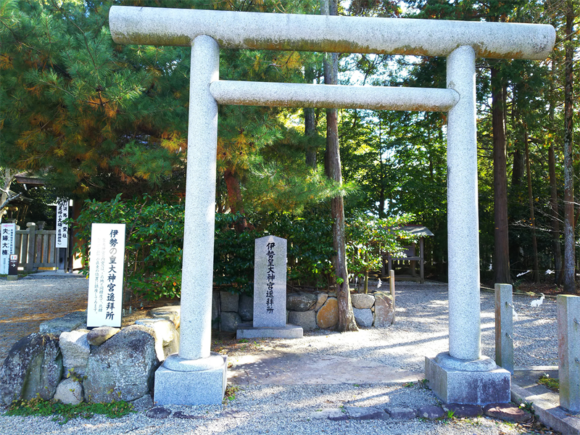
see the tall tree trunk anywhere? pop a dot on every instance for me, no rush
(536, 271)
(346, 320)
(569, 270)
(310, 122)
(501, 257)
(554, 189)
(518, 167)
(235, 199)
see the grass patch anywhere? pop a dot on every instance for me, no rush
(552, 383)
(63, 413)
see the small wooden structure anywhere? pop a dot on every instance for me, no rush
(411, 258)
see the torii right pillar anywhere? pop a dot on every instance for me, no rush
(463, 375)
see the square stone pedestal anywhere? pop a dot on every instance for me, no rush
(191, 382)
(246, 330)
(490, 384)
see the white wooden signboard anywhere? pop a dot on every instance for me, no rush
(61, 227)
(106, 275)
(7, 238)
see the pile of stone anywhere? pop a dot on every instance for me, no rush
(317, 310)
(67, 362)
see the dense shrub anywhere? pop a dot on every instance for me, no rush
(154, 240)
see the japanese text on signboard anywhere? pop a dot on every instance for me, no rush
(271, 276)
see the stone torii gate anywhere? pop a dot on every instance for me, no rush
(462, 375)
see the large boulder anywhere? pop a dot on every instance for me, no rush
(301, 301)
(69, 392)
(170, 312)
(362, 301)
(384, 310)
(98, 336)
(363, 317)
(230, 321)
(229, 301)
(70, 322)
(123, 367)
(75, 350)
(306, 319)
(327, 316)
(33, 367)
(165, 336)
(246, 308)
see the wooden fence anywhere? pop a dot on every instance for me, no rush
(36, 248)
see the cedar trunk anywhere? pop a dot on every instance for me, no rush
(554, 190)
(346, 320)
(235, 198)
(569, 245)
(501, 258)
(536, 271)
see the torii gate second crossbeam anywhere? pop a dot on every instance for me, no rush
(462, 375)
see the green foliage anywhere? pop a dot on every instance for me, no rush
(552, 383)
(63, 413)
(368, 238)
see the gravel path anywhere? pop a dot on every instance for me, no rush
(420, 330)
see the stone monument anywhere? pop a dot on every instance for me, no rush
(460, 42)
(270, 292)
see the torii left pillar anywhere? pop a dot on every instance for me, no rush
(195, 375)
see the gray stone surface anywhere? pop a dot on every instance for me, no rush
(462, 211)
(270, 294)
(431, 412)
(170, 312)
(69, 392)
(305, 319)
(401, 413)
(199, 224)
(363, 317)
(332, 414)
(33, 366)
(229, 301)
(504, 327)
(165, 335)
(463, 411)
(321, 299)
(384, 310)
(302, 301)
(194, 387)
(468, 387)
(366, 413)
(143, 403)
(75, 350)
(569, 351)
(158, 412)
(123, 367)
(67, 323)
(230, 321)
(158, 26)
(246, 310)
(362, 301)
(98, 336)
(246, 330)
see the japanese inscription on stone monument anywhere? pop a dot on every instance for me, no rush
(61, 227)
(270, 282)
(7, 239)
(106, 275)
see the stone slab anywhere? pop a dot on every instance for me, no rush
(463, 411)
(246, 330)
(366, 413)
(304, 319)
(545, 404)
(507, 412)
(270, 282)
(204, 387)
(431, 412)
(569, 352)
(401, 413)
(468, 388)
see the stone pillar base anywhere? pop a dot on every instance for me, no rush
(191, 382)
(477, 382)
(246, 330)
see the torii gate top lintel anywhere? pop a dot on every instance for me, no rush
(337, 34)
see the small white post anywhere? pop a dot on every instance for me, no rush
(504, 326)
(462, 210)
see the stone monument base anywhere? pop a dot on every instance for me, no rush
(478, 382)
(246, 330)
(191, 382)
